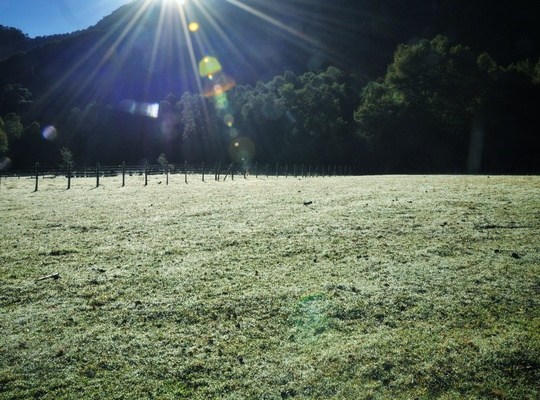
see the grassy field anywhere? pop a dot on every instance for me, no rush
(383, 287)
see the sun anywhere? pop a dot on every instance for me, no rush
(173, 2)
(191, 24)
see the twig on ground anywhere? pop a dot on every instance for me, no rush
(54, 276)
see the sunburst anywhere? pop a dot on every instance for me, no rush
(198, 27)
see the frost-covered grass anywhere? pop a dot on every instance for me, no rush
(384, 287)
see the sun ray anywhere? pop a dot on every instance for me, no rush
(113, 48)
(51, 92)
(191, 51)
(155, 47)
(212, 19)
(302, 39)
(273, 21)
(211, 38)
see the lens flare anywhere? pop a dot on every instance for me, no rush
(193, 27)
(145, 109)
(242, 149)
(128, 106)
(218, 85)
(209, 66)
(49, 133)
(221, 102)
(150, 110)
(229, 120)
(310, 317)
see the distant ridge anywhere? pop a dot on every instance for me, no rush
(119, 59)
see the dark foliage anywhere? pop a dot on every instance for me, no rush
(438, 108)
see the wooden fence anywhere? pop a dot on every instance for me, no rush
(217, 171)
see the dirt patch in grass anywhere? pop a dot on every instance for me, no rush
(392, 287)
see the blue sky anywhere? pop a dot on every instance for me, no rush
(47, 17)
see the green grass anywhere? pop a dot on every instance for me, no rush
(385, 287)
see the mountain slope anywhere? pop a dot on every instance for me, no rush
(143, 50)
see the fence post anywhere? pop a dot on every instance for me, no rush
(167, 174)
(146, 174)
(228, 172)
(123, 174)
(37, 176)
(256, 170)
(185, 171)
(69, 175)
(97, 174)
(277, 170)
(232, 171)
(203, 171)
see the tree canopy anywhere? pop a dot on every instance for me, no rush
(434, 101)
(438, 108)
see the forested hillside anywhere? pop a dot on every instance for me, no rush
(431, 86)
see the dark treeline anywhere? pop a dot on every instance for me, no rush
(13, 41)
(439, 108)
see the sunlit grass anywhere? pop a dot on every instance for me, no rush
(381, 287)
